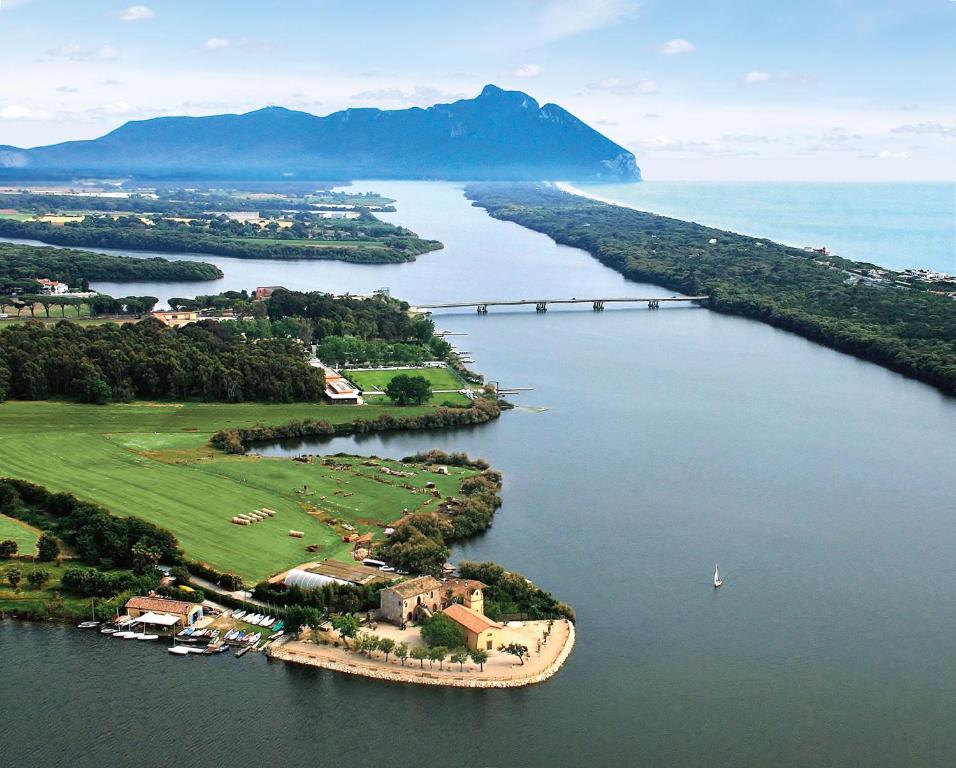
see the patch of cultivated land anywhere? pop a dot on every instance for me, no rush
(24, 535)
(439, 378)
(152, 460)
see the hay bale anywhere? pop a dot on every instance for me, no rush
(297, 534)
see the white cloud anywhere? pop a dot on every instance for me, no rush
(756, 76)
(566, 18)
(117, 108)
(75, 52)
(931, 127)
(19, 112)
(889, 155)
(216, 44)
(67, 89)
(136, 13)
(619, 87)
(528, 70)
(678, 45)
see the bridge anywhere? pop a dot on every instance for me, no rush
(541, 305)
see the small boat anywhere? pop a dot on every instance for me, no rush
(108, 631)
(133, 635)
(145, 636)
(196, 650)
(126, 635)
(277, 635)
(717, 581)
(178, 650)
(88, 624)
(242, 651)
(278, 625)
(238, 614)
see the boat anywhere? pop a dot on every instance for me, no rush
(278, 625)
(146, 636)
(254, 638)
(277, 635)
(242, 651)
(717, 581)
(108, 631)
(195, 650)
(238, 614)
(124, 635)
(88, 624)
(178, 650)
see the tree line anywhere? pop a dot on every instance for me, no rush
(909, 331)
(149, 360)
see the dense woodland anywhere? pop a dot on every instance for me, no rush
(148, 360)
(908, 330)
(22, 265)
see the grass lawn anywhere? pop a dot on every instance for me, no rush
(17, 216)
(47, 601)
(440, 378)
(152, 460)
(24, 535)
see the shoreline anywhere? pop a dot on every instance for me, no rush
(449, 678)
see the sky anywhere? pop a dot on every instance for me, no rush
(829, 90)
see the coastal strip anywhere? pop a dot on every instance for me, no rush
(339, 660)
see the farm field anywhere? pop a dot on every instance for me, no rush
(153, 460)
(371, 382)
(24, 535)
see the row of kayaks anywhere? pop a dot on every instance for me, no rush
(259, 619)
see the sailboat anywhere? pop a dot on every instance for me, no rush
(717, 581)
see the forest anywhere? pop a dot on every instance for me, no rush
(907, 330)
(21, 265)
(148, 360)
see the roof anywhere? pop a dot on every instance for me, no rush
(163, 619)
(161, 604)
(353, 573)
(469, 619)
(462, 586)
(416, 586)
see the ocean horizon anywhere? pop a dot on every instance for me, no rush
(890, 224)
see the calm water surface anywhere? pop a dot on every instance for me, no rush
(894, 225)
(653, 445)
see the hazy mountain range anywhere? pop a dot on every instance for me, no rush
(497, 135)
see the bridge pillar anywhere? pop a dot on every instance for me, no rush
(653, 304)
(541, 307)
(598, 306)
(482, 309)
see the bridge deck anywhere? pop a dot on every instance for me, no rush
(517, 302)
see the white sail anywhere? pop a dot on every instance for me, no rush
(717, 581)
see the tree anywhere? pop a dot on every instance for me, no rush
(438, 653)
(13, 577)
(296, 617)
(420, 653)
(38, 578)
(48, 549)
(459, 656)
(438, 629)
(480, 657)
(8, 549)
(401, 652)
(346, 625)
(386, 645)
(408, 390)
(144, 557)
(516, 649)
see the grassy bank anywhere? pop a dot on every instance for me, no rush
(372, 382)
(24, 535)
(152, 460)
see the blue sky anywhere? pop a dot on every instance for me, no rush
(814, 89)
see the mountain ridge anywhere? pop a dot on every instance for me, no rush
(498, 134)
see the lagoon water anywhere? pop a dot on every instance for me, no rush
(895, 225)
(653, 445)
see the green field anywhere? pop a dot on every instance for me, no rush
(371, 382)
(17, 216)
(24, 535)
(152, 460)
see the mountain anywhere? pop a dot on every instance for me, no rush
(497, 135)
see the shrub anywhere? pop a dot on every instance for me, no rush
(438, 630)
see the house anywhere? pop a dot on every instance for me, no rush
(480, 631)
(52, 287)
(176, 318)
(338, 389)
(468, 592)
(412, 599)
(264, 292)
(163, 612)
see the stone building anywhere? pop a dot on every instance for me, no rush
(480, 631)
(411, 600)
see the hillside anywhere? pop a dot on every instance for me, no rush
(497, 135)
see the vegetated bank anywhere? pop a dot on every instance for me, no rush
(821, 297)
(189, 226)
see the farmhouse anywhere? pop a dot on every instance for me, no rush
(163, 612)
(176, 318)
(52, 287)
(480, 631)
(468, 592)
(419, 597)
